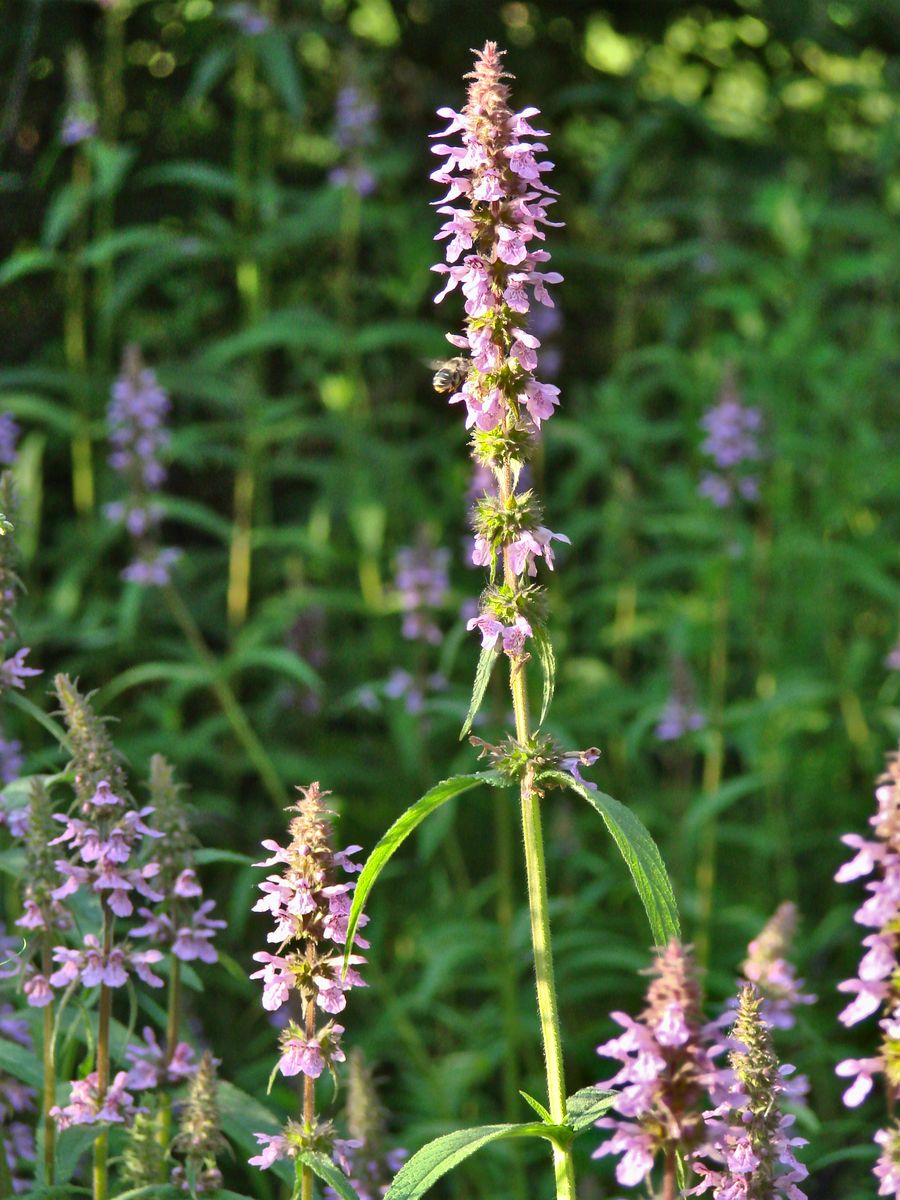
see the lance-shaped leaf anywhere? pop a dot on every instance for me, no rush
(641, 856)
(324, 1168)
(400, 831)
(587, 1106)
(486, 660)
(427, 1165)
(547, 658)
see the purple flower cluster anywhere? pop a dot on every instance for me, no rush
(667, 1074)
(150, 1067)
(11, 763)
(495, 210)
(14, 670)
(247, 19)
(183, 922)
(9, 438)
(732, 442)
(138, 436)
(750, 1138)
(876, 988)
(681, 713)
(422, 584)
(87, 1104)
(354, 123)
(775, 978)
(309, 908)
(80, 117)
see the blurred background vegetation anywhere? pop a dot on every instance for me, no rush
(728, 178)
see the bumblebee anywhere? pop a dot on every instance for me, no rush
(450, 375)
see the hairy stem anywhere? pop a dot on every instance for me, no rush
(49, 1090)
(173, 1016)
(713, 766)
(101, 1145)
(309, 1093)
(669, 1183)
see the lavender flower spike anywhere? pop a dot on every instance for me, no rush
(768, 969)
(752, 1146)
(667, 1074)
(494, 253)
(732, 442)
(309, 908)
(138, 436)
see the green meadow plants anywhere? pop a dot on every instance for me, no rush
(637, 645)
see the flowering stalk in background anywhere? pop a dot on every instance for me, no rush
(182, 922)
(364, 1157)
(200, 1138)
(496, 230)
(105, 841)
(751, 1142)
(138, 436)
(732, 442)
(877, 987)
(354, 123)
(768, 968)
(309, 906)
(667, 1077)
(422, 584)
(681, 713)
(80, 119)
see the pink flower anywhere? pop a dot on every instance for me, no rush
(37, 991)
(275, 1146)
(301, 1057)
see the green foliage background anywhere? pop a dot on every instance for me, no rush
(728, 179)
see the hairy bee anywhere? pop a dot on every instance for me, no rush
(450, 375)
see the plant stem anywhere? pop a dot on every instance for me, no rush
(101, 1145)
(173, 1018)
(49, 1091)
(75, 349)
(309, 1093)
(230, 704)
(713, 765)
(538, 903)
(669, 1186)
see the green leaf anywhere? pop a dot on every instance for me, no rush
(537, 1106)
(242, 1116)
(586, 1106)
(427, 1166)
(641, 856)
(21, 1063)
(279, 65)
(325, 1169)
(486, 660)
(26, 262)
(400, 831)
(547, 658)
(207, 854)
(48, 723)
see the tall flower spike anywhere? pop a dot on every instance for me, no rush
(138, 436)
(877, 988)
(183, 921)
(498, 231)
(768, 968)
(309, 907)
(668, 1074)
(200, 1138)
(143, 1156)
(751, 1142)
(95, 759)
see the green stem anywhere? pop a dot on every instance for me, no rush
(713, 766)
(49, 1089)
(101, 1145)
(75, 350)
(173, 1018)
(229, 703)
